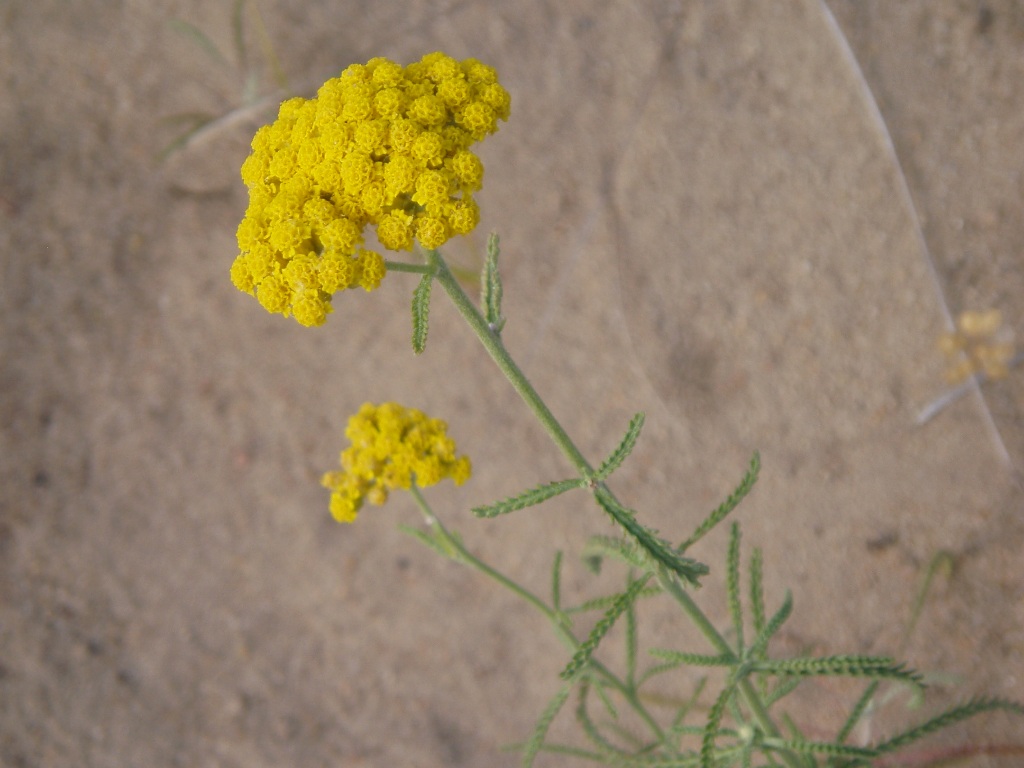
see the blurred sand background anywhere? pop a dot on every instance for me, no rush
(701, 218)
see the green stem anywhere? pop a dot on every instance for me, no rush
(494, 346)
(492, 343)
(747, 690)
(553, 616)
(402, 266)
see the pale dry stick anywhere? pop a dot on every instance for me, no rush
(876, 114)
(954, 394)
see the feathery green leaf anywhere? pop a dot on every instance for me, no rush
(420, 312)
(707, 746)
(804, 747)
(757, 589)
(587, 648)
(846, 666)
(556, 581)
(759, 647)
(490, 286)
(732, 578)
(686, 569)
(626, 551)
(527, 498)
(540, 731)
(614, 461)
(727, 506)
(948, 718)
(693, 659)
(857, 712)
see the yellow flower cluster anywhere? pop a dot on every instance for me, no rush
(392, 447)
(978, 344)
(381, 145)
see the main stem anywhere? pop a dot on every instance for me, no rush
(492, 343)
(494, 346)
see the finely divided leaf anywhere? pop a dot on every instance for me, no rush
(619, 455)
(759, 647)
(527, 498)
(660, 552)
(490, 287)
(540, 732)
(846, 666)
(586, 650)
(420, 310)
(727, 506)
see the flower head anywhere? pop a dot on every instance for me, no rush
(381, 144)
(392, 447)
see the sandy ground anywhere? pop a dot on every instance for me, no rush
(701, 218)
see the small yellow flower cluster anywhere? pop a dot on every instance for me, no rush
(392, 447)
(381, 145)
(977, 345)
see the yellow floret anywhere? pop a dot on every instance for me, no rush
(336, 272)
(479, 73)
(479, 119)
(371, 270)
(274, 295)
(428, 111)
(310, 308)
(341, 235)
(403, 133)
(468, 170)
(390, 103)
(400, 175)
(455, 92)
(428, 149)
(431, 189)
(463, 216)
(301, 272)
(431, 231)
(386, 74)
(241, 277)
(371, 135)
(356, 172)
(497, 98)
(395, 231)
(250, 232)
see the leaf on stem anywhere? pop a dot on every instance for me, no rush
(556, 581)
(727, 506)
(804, 747)
(660, 552)
(679, 658)
(878, 667)
(715, 714)
(587, 648)
(420, 311)
(757, 589)
(540, 731)
(599, 547)
(948, 718)
(857, 712)
(759, 647)
(527, 498)
(614, 461)
(490, 287)
(733, 585)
